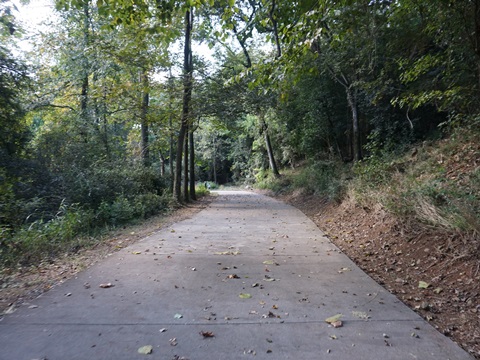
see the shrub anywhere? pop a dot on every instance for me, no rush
(46, 239)
(323, 178)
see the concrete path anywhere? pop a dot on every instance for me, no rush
(182, 281)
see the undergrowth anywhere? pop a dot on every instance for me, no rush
(432, 185)
(326, 179)
(436, 184)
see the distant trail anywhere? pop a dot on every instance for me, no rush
(251, 271)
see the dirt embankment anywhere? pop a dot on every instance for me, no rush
(429, 270)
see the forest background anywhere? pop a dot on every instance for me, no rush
(114, 115)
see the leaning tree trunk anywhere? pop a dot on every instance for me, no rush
(187, 96)
(268, 145)
(271, 158)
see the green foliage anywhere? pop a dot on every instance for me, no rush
(40, 240)
(123, 210)
(325, 179)
(322, 178)
(201, 190)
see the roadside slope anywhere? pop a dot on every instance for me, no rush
(399, 257)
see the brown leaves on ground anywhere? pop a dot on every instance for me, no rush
(207, 334)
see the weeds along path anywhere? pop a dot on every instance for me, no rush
(248, 276)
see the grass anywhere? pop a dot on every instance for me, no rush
(437, 184)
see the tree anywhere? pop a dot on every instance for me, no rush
(12, 79)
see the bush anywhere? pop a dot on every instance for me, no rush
(46, 239)
(149, 204)
(323, 178)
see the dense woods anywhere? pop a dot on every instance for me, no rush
(119, 111)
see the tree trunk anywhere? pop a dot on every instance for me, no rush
(85, 73)
(162, 164)
(171, 154)
(186, 195)
(214, 167)
(143, 117)
(105, 123)
(271, 158)
(193, 196)
(356, 142)
(187, 96)
(268, 145)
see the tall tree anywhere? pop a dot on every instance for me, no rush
(187, 96)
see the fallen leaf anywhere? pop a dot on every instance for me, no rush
(163, 330)
(438, 290)
(361, 315)
(145, 350)
(177, 316)
(207, 334)
(106, 286)
(270, 262)
(333, 337)
(227, 253)
(423, 285)
(136, 252)
(337, 324)
(233, 276)
(173, 342)
(334, 318)
(245, 296)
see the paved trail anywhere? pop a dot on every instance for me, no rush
(181, 281)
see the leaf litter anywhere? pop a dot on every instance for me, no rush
(145, 350)
(106, 285)
(333, 318)
(207, 334)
